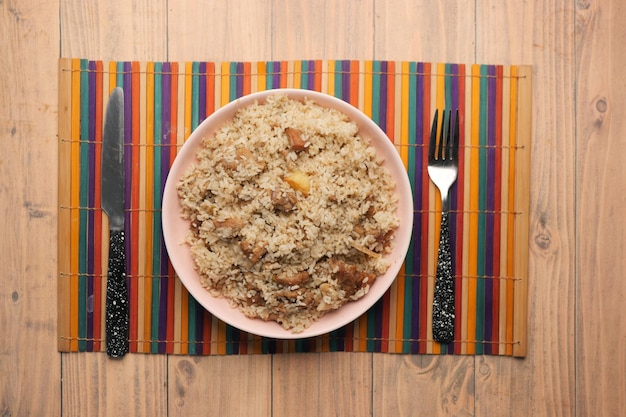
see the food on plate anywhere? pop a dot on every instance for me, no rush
(291, 211)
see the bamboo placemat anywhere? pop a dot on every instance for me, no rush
(167, 100)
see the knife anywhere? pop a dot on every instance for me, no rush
(113, 205)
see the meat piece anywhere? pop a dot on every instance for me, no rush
(283, 200)
(295, 139)
(254, 251)
(350, 279)
(292, 279)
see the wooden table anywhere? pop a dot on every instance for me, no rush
(576, 364)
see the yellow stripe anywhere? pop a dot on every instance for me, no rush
(504, 240)
(149, 199)
(225, 83)
(472, 249)
(74, 202)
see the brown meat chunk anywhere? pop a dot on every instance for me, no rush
(295, 139)
(350, 279)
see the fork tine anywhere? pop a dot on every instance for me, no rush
(454, 146)
(433, 138)
(442, 137)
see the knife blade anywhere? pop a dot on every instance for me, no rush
(116, 310)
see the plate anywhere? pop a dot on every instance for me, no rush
(175, 228)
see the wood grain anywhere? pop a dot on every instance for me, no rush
(546, 40)
(132, 386)
(322, 384)
(220, 386)
(600, 183)
(29, 363)
(423, 385)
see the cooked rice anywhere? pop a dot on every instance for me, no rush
(275, 249)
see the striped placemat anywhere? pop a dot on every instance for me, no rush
(165, 101)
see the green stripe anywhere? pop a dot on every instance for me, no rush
(304, 75)
(376, 92)
(156, 226)
(195, 95)
(83, 202)
(233, 81)
(338, 79)
(195, 120)
(482, 205)
(408, 282)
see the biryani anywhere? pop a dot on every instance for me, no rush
(291, 211)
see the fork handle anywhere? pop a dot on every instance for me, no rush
(443, 302)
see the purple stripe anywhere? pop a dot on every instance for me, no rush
(382, 119)
(91, 202)
(311, 75)
(454, 104)
(490, 238)
(345, 80)
(276, 75)
(239, 79)
(128, 156)
(165, 158)
(202, 93)
(417, 203)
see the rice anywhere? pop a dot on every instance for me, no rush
(291, 212)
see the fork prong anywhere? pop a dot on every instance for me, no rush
(454, 145)
(442, 137)
(433, 138)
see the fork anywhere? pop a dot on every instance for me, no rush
(443, 166)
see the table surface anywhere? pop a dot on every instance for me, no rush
(575, 364)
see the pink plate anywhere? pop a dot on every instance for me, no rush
(175, 228)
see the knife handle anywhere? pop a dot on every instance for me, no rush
(117, 298)
(443, 301)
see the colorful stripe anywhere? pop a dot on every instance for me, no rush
(166, 101)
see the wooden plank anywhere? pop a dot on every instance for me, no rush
(539, 34)
(29, 362)
(94, 385)
(221, 385)
(440, 31)
(322, 384)
(63, 256)
(415, 385)
(601, 229)
(220, 31)
(114, 30)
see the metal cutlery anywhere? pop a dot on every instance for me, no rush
(443, 165)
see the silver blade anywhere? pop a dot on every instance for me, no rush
(113, 160)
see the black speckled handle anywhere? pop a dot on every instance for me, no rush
(443, 302)
(117, 298)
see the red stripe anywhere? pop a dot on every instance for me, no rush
(497, 208)
(134, 205)
(210, 88)
(97, 308)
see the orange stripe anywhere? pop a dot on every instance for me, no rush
(510, 294)
(134, 205)
(210, 88)
(354, 83)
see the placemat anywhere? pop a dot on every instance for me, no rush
(167, 100)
